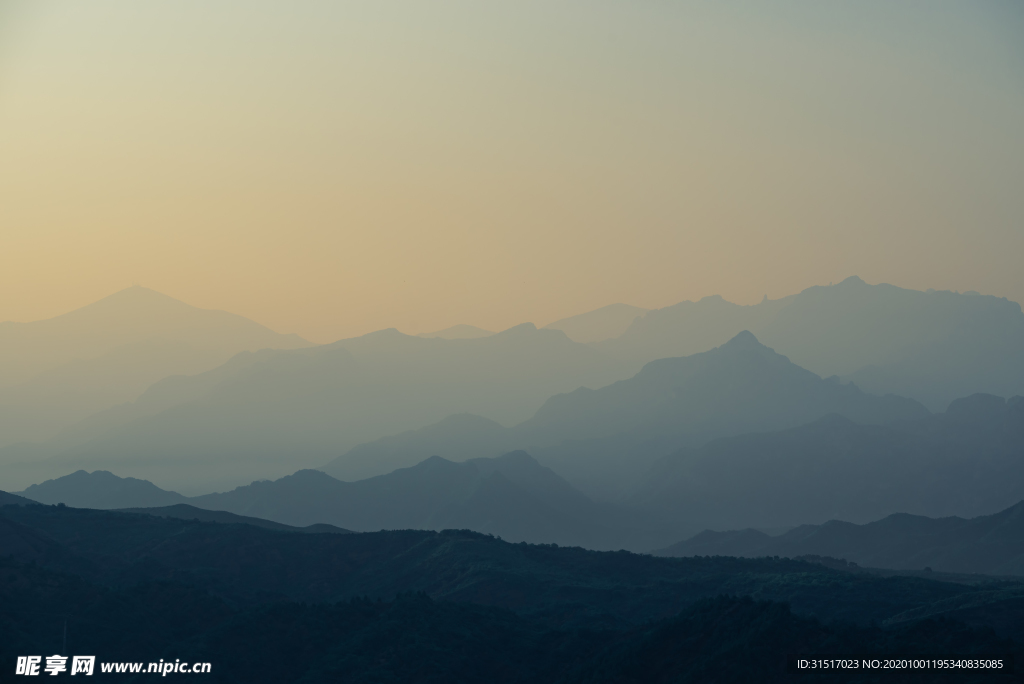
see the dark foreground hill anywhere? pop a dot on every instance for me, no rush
(270, 606)
(992, 544)
(413, 638)
(8, 499)
(968, 461)
(186, 512)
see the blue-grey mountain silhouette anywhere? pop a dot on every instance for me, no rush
(968, 461)
(992, 544)
(930, 346)
(101, 489)
(269, 413)
(605, 323)
(604, 440)
(511, 496)
(58, 371)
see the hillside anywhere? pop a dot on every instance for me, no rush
(992, 544)
(269, 413)
(511, 496)
(559, 585)
(966, 461)
(58, 371)
(603, 440)
(605, 323)
(930, 346)
(101, 489)
(411, 637)
(187, 512)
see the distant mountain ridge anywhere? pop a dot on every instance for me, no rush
(992, 544)
(511, 496)
(930, 346)
(58, 371)
(603, 440)
(598, 325)
(101, 489)
(268, 413)
(968, 461)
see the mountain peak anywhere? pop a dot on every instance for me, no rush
(852, 280)
(743, 340)
(522, 328)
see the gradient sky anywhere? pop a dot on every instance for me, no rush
(332, 168)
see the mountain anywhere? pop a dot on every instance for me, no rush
(413, 638)
(459, 332)
(101, 489)
(186, 512)
(740, 386)
(930, 346)
(511, 496)
(605, 323)
(992, 544)
(457, 606)
(602, 441)
(966, 461)
(456, 438)
(7, 499)
(247, 565)
(57, 371)
(268, 413)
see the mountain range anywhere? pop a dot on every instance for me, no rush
(992, 544)
(511, 496)
(268, 413)
(61, 370)
(967, 461)
(931, 346)
(247, 565)
(603, 441)
(599, 325)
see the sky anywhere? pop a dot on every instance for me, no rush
(332, 168)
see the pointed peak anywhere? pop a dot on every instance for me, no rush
(852, 280)
(521, 329)
(743, 340)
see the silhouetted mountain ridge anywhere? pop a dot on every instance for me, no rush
(930, 346)
(992, 544)
(58, 371)
(603, 440)
(233, 423)
(964, 462)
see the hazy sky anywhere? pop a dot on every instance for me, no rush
(331, 168)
